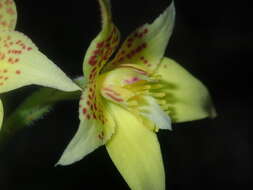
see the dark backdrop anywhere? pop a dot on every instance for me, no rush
(212, 39)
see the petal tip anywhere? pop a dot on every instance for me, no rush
(213, 113)
(65, 160)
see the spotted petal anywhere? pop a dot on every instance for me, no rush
(187, 98)
(146, 45)
(135, 151)
(21, 64)
(8, 14)
(103, 46)
(96, 127)
(1, 113)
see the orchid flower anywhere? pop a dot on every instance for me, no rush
(128, 98)
(21, 63)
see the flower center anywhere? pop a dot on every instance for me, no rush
(128, 84)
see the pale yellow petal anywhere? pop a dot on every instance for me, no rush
(135, 151)
(187, 98)
(8, 15)
(95, 129)
(21, 64)
(146, 45)
(84, 142)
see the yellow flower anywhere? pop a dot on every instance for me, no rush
(21, 63)
(128, 98)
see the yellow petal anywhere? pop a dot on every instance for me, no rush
(8, 14)
(1, 113)
(96, 127)
(146, 45)
(135, 151)
(103, 46)
(21, 64)
(187, 98)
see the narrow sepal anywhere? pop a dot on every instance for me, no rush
(103, 46)
(95, 129)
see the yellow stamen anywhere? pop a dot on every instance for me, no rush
(132, 103)
(158, 94)
(161, 102)
(156, 86)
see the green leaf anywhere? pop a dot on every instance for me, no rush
(35, 107)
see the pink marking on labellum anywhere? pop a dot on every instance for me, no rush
(114, 97)
(132, 80)
(136, 69)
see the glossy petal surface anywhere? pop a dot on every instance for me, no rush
(146, 45)
(21, 64)
(103, 46)
(187, 98)
(135, 151)
(8, 15)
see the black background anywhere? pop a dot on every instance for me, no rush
(212, 39)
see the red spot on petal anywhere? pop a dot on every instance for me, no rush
(84, 110)
(92, 62)
(144, 45)
(139, 48)
(96, 52)
(130, 40)
(100, 44)
(93, 57)
(114, 97)
(129, 56)
(95, 106)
